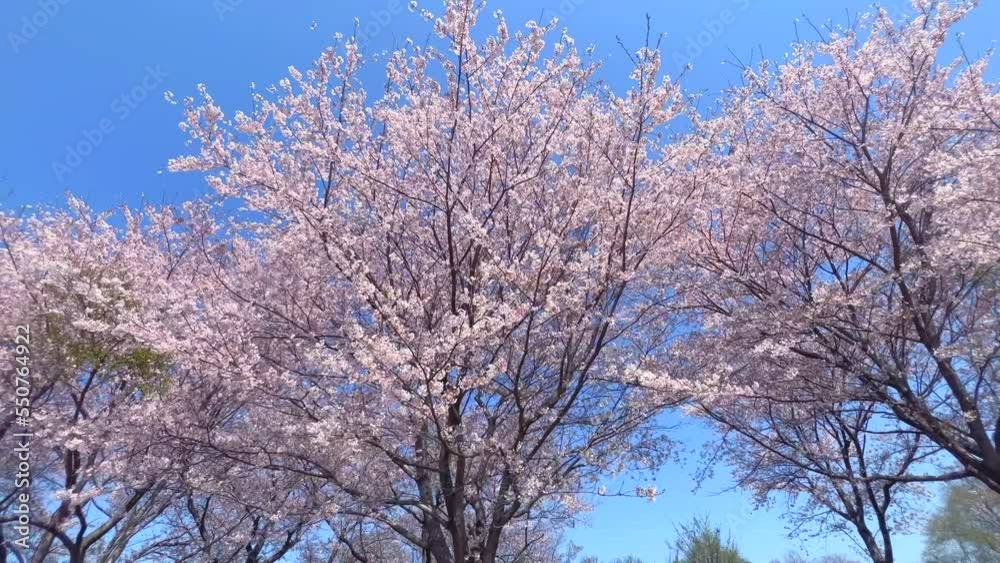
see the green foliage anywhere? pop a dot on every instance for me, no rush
(967, 527)
(700, 542)
(141, 366)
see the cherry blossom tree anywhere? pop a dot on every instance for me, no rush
(104, 296)
(70, 277)
(447, 304)
(847, 240)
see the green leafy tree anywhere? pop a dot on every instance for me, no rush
(967, 527)
(700, 542)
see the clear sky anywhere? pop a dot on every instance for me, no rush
(91, 75)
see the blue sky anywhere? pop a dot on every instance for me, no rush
(92, 74)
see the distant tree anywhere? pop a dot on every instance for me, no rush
(700, 542)
(967, 527)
